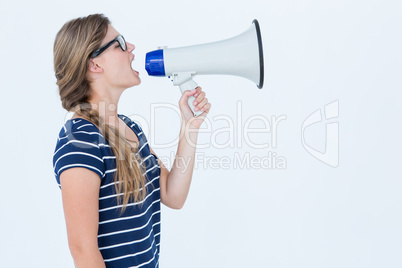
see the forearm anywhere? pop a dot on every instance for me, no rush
(175, 184)
(87, 257)
(179, 178)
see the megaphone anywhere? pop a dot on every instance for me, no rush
(241, 55)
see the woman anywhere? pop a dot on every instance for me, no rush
(111, 180)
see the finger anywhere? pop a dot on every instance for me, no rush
(200, 97)
(206, 108)
(201, 104)
(184, 97)
(198, 91)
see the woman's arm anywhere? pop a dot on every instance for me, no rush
(80, 194)
(175, 184)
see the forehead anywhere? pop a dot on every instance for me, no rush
(110, 35)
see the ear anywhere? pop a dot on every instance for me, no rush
(94, 66)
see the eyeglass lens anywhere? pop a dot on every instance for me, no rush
(122, 42)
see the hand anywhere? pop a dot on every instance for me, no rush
(202, 104)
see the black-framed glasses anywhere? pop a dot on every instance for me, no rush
(119, 39)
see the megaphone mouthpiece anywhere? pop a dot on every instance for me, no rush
(154, 63)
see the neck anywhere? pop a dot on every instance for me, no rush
(106, 105)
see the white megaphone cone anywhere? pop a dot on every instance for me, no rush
(241, 55)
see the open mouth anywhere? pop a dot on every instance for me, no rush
(132, 60)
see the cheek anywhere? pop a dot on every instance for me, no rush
(118, 69)
(114, 69)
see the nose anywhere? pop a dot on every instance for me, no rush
(130, 47)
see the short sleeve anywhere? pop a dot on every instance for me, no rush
(79, 145)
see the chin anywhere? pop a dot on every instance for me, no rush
(137, 81)
(134, 81)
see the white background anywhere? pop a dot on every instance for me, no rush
(307, 215)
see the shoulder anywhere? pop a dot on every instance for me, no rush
(126, 119)
(131, 123)
(80, 130)
(79, 144)
(78, 125)
(79, 135)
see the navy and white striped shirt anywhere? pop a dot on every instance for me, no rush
(129, 239)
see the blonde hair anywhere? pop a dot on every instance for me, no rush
(73, 46)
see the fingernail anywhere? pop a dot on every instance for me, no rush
(195, 103)
(196, 94)
(196, 109)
